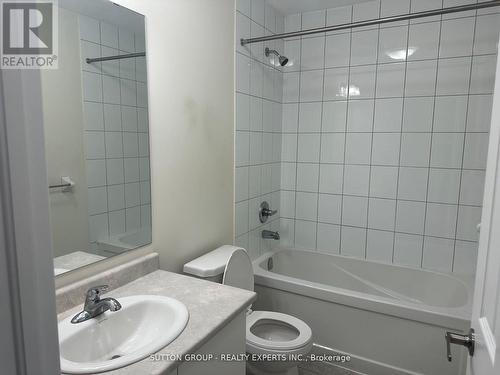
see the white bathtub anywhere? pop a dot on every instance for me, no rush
(120, 243)
(391, 319)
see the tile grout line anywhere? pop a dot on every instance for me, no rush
(390, 97)
(464, 142)
(431, 139)
(105, 146)
(382, 63)
(123, 143)
(297, 141)
(247, 214)
(381, 230)
(376, 197)
(368, 201)
(403, 102)
(134, 61)
(262, 66)
(345, 137)
(320, 139)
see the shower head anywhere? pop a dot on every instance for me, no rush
(283, 60)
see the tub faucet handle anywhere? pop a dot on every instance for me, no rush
(465, 340)
(268, 212)
(265, 212)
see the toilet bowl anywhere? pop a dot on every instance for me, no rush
(275, 342)
(277, 336)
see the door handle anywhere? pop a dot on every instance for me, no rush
(465, 340)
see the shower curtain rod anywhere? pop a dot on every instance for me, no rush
(116, 57)
(428, 13)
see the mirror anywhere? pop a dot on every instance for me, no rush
(96, 134)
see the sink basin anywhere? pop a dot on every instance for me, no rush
(143, 325)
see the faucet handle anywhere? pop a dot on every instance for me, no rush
(99, 288)
(94, 292)
(269, 212)
(265, 212)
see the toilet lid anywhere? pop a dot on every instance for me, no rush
(239, 271)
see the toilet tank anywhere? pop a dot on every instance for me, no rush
(211, 266)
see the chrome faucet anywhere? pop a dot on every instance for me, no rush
(95, 306)
(265, 212)
(269, 235)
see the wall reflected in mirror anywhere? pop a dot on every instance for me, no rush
(97, 135)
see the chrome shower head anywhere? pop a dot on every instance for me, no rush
(283, 60)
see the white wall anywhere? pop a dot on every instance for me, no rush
(64, 144)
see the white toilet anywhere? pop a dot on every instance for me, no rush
(268, 334)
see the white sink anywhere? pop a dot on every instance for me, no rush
(144, 325)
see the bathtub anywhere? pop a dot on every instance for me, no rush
(390, 319)
(123, 242)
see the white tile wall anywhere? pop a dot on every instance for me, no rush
(116, 130)
(383, 150)
(259, 97)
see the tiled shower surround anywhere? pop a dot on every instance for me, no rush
(259, 88)
(384, 133)
(116, 130)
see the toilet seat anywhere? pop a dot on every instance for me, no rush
(283, 322)
(279, 333)
(275, 342)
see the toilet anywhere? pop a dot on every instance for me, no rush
(269, 335)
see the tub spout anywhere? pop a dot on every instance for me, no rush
(269, 235)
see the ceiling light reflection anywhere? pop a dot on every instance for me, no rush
(401, 54)
(353, 91)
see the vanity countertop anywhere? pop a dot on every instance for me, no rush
(211, 306)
